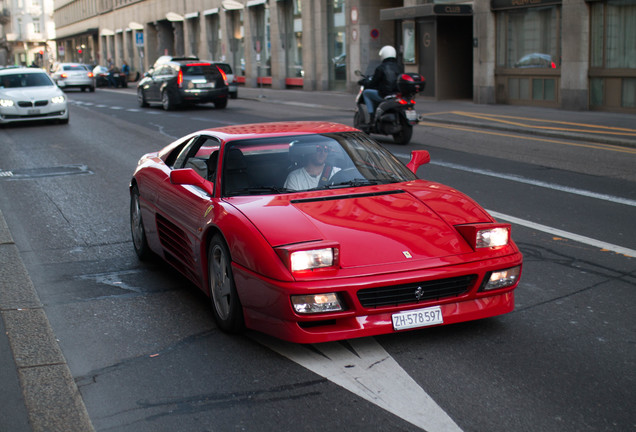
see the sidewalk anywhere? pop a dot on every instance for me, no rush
(600, 127)
(38, 393)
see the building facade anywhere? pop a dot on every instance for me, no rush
(28, 32)
(572, 54)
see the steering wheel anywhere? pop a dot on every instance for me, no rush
(344, 175)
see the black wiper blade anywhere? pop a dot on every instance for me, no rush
(260, 190)
(354, 183)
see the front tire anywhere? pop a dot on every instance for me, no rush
(403, 137)
(140, 242)
(226, 305)
(141, 98)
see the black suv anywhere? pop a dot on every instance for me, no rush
(177, 81)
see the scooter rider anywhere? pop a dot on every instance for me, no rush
(384, 80)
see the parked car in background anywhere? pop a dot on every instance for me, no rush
(73, 75)
(536, 60)
(231, 79)
(179, 82)
(28, 94)
(103, 76)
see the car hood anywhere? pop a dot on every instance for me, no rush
(31, 93)
(378, 226)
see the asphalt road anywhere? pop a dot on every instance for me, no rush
(145, 354)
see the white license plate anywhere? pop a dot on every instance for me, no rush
(33, 111)
(417, 318)
(411, 115)
(206, 85)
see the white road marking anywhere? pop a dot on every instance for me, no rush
(565, 234)
(364, 368)
(539, 183)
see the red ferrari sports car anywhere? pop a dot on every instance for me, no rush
(312, 232)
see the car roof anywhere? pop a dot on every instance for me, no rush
(170, 59)
(260, 130)
(11, 71)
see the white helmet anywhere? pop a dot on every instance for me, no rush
(386, 52)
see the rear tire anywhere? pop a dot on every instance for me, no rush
(406, 132)
(226, 305)
(167, 101)
(220, 104)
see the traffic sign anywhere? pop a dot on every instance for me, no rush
(139, 39)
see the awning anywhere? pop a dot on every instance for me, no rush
(410, 12)
(232, 5)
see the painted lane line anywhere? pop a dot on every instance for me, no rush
(364, 368)
(539, 183)
(565, 234)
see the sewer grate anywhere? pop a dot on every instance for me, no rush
(29, 173)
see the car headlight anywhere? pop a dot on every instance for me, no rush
(485, 235)
(502, 278)
(311, 259)
(5, 103)
(317, 303)
(308, 257)
(57, 99)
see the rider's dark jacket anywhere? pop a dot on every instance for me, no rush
(385, 77)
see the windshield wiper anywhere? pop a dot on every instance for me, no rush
(260, 190)
(355, 183)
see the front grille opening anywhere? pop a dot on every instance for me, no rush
(312, 324)
(416, 292)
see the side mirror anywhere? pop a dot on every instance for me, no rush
(187, 176)
(418, 158)
(357, 72)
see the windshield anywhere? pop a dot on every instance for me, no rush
(308, 162)
(199, 69)
(74, 68)
(25, 80)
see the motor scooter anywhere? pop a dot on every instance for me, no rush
(396, 114)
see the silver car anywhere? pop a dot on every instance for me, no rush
(73, 75)
(231, 79)
(29, 94)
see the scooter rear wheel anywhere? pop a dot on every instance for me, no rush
(403, 137)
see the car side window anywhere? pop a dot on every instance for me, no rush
(183, 154)
(169, 70)
(201, 155)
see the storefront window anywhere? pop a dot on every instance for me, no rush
(214, 37)
(262, 46)
(529, 38)
(237, 42)
(294, 39)
(337, 45)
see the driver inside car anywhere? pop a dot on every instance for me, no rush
(316, 170)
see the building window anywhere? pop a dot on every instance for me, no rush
(36, 26)
(613, 32)
(529, 38)
(613, 54)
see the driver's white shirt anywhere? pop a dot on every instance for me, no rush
(300, 179)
